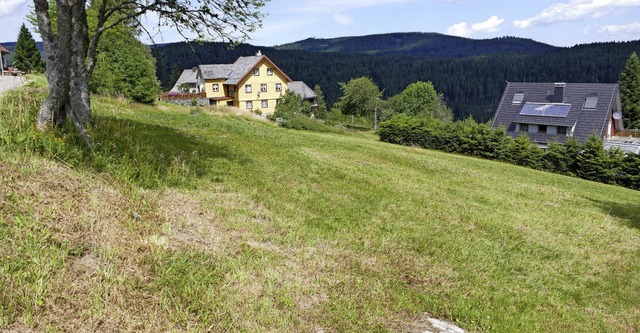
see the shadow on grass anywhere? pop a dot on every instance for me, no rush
(629, 213)
(152, 155)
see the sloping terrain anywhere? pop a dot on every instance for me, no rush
(194, 220)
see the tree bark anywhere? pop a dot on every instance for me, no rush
(66, 73)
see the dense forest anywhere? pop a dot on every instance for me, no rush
(471, 85)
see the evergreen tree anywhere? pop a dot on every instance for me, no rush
(27, 56)
(592, 161)
(124, 66)
(630, 92)
(321, 110)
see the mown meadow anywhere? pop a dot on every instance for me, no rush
(192, 219)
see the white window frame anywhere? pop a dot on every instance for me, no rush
(263, 87)
(256, 72)
(278, 87)
(215, 87)
(247, 88)
(249, 105)
(265, 103)
(269, 71)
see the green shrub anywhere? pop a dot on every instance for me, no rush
(589, 161)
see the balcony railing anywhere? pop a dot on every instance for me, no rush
(181, 96)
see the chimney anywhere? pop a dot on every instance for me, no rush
(558, 92)
(259, 53)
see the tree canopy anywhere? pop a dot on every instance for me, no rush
(124, 65)
(26, 56)
(420, 99)
(359, 97)
(630, 92)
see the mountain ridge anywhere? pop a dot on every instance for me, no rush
(429, 44)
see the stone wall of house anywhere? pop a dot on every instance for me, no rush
(189, 102)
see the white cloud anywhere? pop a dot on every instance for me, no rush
(576, 10)
(633, 28)
(463, 29)
(9, 6)
(342, 19)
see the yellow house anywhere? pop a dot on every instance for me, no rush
(252, 83)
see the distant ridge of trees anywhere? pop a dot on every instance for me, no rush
(472, 86)
(418, 44)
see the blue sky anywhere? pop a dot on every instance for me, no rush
(560, 23)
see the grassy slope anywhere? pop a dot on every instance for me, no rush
(248, 227)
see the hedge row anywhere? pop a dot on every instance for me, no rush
(589, 161)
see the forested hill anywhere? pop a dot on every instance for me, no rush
(471, 85)
(418, 44)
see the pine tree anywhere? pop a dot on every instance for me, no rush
(27, 56)
(630, 92)
(321, 110)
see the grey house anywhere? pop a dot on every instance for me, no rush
(548, 112)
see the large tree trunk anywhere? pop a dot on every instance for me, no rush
(66, 72)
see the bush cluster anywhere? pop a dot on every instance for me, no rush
(588, 161)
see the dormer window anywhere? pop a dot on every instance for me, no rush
(590, 103)
(518, 98)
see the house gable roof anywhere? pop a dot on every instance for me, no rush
(244, 66)
(216, 72)
(3, 50)
(302, 89)
(586, 120)
(187, 76)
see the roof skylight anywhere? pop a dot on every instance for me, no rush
(591, 102)
(518, 98)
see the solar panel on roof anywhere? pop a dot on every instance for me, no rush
(546, 110)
